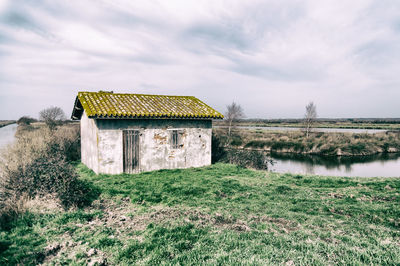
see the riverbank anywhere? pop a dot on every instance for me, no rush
(220, 214)
(318, 143)
(4, 123)
(378, 165)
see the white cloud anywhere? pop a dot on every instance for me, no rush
(3, 5)
(270, 56)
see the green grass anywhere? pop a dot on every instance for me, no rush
(219, 214)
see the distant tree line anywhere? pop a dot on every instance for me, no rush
(52, 116)
(26, 120)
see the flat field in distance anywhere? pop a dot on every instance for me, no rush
(356, 123)
(219, 214)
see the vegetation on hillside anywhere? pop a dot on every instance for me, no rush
(318, 142)
(219, 214)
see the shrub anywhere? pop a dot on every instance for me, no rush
(217, 151)
(26, 120)
(69, 140)
(257, 144)
(328, 149)
(296, 146)
(50, 173)
(356, 148)
(38, 164)
(236, 141)
(248, 159)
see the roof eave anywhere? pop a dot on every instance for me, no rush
(77, 111)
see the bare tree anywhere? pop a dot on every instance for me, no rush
(310, 117)
(52, 116)
(234, 112)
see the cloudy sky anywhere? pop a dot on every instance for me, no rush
(270, 56)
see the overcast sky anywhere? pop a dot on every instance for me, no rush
(271, 56)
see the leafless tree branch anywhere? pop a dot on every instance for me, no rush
(233, 113)
(52, 116)
(310, 117)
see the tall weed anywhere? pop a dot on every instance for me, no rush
(38, 164)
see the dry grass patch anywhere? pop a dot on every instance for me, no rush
(329, 143)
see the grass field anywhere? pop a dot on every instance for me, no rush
(219, 214)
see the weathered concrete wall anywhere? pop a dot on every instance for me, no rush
(110, 151)
(89, 140)
(198, 142)
(155, 147)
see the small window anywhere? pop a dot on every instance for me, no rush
(176, 139)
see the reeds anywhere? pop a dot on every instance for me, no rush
(317, 143)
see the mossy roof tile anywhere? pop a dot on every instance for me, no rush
(108, 104)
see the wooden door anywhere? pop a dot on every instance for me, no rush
(131, 151)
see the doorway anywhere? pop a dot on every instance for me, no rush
(131, 151)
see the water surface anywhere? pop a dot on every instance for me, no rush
(7, 135)
(383, 165)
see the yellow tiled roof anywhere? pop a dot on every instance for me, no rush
(121, 105)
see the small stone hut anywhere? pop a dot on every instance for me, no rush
(131, 133)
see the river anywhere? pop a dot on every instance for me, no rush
(7, 135)
(381, 165)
